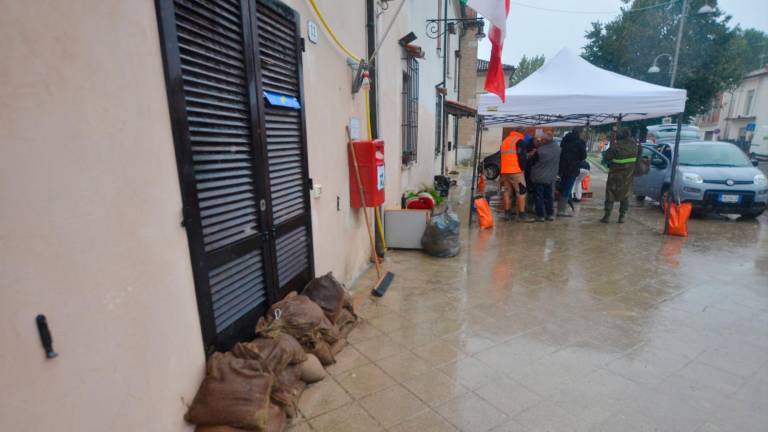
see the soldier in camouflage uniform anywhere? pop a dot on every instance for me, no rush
(621, 158)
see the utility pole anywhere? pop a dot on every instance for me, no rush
(677, 43)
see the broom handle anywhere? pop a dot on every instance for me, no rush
(365, 210)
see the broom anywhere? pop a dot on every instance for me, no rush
(384, 281)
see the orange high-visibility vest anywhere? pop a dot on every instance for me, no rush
(509, 162)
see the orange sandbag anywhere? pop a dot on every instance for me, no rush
(585, 184)
(679, 213)
(484, 216)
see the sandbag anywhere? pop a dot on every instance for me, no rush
(235, 392)
(322, 350)
(288, 387)
(346, 322)
(441, 237)
(679, 213)
(337, 347)
(328, 293)
(277, 352)
(299, 317)
(276, 422)
(312, 370)
(220, 429)
(484, 215)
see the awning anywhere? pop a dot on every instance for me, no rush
(459, 109)
(567, 91)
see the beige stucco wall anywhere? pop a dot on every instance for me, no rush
(89, 224)
(340, 242)
(90, 215)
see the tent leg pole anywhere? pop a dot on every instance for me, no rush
(670, 196)
(475, 159)
(616, 129)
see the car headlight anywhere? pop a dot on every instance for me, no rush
(761, 180)
(692, 178)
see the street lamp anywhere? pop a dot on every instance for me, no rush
(706, 9)
(655, 67)
(434, 31)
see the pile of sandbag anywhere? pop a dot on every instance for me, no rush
(256, 385)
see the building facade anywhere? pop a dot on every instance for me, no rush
(156, 168)
(741, 115)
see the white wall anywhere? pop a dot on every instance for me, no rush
(90, 224)
(91, 208)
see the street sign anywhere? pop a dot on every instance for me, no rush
(750, 127)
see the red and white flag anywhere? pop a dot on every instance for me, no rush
(496, 12)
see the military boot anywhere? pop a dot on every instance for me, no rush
(623, 208)
(607, 212)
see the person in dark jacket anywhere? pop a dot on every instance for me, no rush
(573, 151)
(543, 176)
(621, 157)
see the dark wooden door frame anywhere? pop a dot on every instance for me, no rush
(191, 220)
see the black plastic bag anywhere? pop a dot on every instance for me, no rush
(441, 238)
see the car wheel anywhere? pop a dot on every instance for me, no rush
(751, 215)
(640, 198)
(491, 172)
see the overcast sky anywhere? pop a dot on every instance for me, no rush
(532, 30)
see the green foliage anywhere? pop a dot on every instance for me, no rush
(757, 44)
(713, 56)
(525, 67)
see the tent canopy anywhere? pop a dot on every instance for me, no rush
(567, 90)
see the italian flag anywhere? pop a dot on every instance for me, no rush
(496, 12)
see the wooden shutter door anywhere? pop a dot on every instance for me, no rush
(210, 72)
(278, 41)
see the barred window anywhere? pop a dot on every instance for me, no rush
(410, 109)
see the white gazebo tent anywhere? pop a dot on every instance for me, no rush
(569, 91)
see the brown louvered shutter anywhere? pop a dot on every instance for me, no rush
(242, 160)
(279, 50)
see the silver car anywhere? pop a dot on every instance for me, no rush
(714, 176)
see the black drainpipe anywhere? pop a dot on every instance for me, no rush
(370, 29)
(371, 37)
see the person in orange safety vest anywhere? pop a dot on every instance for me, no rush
(513, 158)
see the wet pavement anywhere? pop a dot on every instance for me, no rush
(564, 326)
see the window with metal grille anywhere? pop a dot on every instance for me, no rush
(410, 110)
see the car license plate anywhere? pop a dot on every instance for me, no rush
(726, 198)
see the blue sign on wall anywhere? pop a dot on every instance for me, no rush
(281, 100)
(750, 127)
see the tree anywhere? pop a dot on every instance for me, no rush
(757, 44)
(713, 56)
(525, 67)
